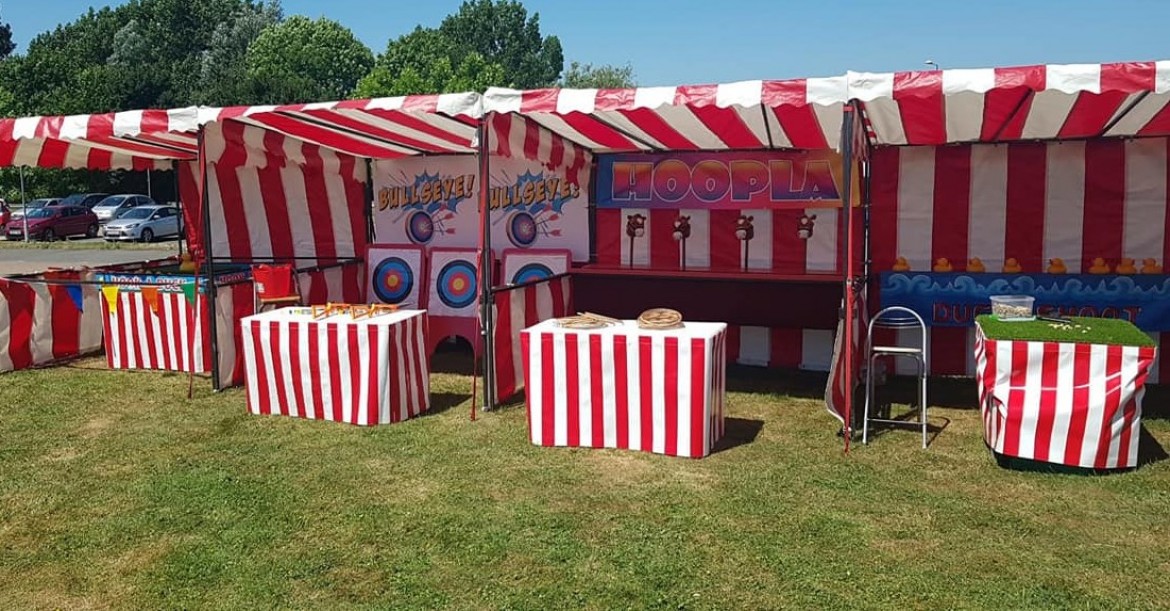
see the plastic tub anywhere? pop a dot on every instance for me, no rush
(1013, 307)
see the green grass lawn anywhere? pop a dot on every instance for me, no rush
(1080, 331)
(119, 492)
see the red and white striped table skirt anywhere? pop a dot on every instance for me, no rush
(628, 388)
(365, 372)
(164, 332)
(1077, 405)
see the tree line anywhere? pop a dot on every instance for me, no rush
(171, 53)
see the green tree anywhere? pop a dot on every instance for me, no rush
(421, 62)
(222, 71)
(306, 60)
(503, 33)
(588, 76)
(6, 44)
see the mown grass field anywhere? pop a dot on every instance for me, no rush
(119, 492)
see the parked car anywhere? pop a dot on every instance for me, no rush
(33, 205)
(5, 214)
(51, 222)
(113, 206)
(86, 200)
(143, 223)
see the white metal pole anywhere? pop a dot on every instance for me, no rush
(23, 204)
(148, 193)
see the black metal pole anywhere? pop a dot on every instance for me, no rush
(591, 206)
(847, 265)
(207, 257)
(485, 266)
(371, 233)
(178, 204)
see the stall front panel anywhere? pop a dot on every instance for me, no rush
(41, 323)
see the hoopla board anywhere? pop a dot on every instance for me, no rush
(396, 274)
(453, 288)
(527, 266)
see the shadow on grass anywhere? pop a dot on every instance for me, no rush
(1149, 450)
(443, 401)
(738, 432)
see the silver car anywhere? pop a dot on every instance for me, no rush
(114, 206)
(143, 223)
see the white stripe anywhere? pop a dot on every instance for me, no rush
(129, 331)
(324, 366)
(148, 356)
(1049, 111)
(92, 321)
(515, 301)
(608, 393)
(42, 329)
(816, 349)
(346, 361)
(1145, 199)
(265, 348)
(560, 394)
(168, 306)
(686, 373)
(306, 371)
(363, 362)
(161, 345)
(755, 346)
(292, 178)
(225, 337)
(400, 371)
(1004, 367)
(255, 201)
(988, 212)
(215, 211)
(535, 388)
(290, 371)
(251, 381)
(1030, 409)
(1064, 398)
(634, 394)
(182, 307)
(760, 249)
(916, 205)
(1095, 411)
(585, 405)
(821, 248)
(658, 386)
(684, 121)
(699, 244)
(1064, 204)
(1138, 116)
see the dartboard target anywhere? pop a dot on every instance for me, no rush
(420, 227)
(455, 284)
(531, 272)
(522, 229)
(393, 280)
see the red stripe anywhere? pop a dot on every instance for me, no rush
(370, 129)
(652, 123)
(275, 200)
(397, 375)
(1019, 378)
(610, 229)
(787, 348)
(556, 154)
(205, 314)
(192, 207)
(262, 375)
(300, 371)
(141, 351)
(279, 347)
(606, 137)
(664, 250)
(789, 252)
(1049, 376)
(1078, 420)
(66, 322)
(502, 125)
(8, 144)
(1104, 219)
(700, 375)
(505, 345)
(52, 154)
(422, 366)
(548, 373)
(948, 351)
(952, 204)
(21, 305)
(166, 328)
(733, 342)
(324, 233)
(351, 282)
(802, 126)
(243, 305)
(309, 132)
(596, 392)
(673, 379)
(373, 403)
(920, 104)
(231, 199)
(150, 347)
(884, 208)
(355, 373)
(646, 400)
(561, 305)
(1091, 113)
(1026, 176)
(1112, 405)
(728, 126)
(1158, 125)
(412, 122)
(337, 415)
(726, 250)
(572, 391)
(531, 139)
(107, 329)
(355, 205)
(621, 390)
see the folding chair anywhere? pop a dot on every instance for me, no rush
(275, 285)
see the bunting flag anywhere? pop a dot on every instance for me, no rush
(150, 296)
(74, 291)
(111, 295)
(189, 292)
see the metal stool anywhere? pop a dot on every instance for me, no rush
(896, 318)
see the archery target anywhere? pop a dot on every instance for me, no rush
(394, 274)
(526, 266)
(456, 284)
(420, 227)
(522, 229)
(454, 287)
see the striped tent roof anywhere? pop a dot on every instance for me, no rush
(382, 128)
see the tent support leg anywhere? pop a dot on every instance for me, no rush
(178, 206)
(23, 204)
(485, 268)
(208, 259)
(371, 233)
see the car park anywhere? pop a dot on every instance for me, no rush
(114, 206)
(85, 200)
(33, 205)
(143, 223)
(51, 222)
(5, 214)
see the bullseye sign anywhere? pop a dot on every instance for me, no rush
(394, 274)
(393, 280)
(525, 266)
(456, 284)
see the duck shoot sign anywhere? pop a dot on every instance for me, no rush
(721, 180)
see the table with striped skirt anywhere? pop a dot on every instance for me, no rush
(1070, 404)
(366, 371)
(658, 391)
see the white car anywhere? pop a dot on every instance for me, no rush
(114, 206)
(143, 223)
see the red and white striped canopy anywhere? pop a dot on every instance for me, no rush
(382, 128)
(803, 114)
(1053, 102)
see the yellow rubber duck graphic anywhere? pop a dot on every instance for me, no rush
(975, 266)
(1126, 267)
(186, 265)
(1150, 266)
(943, 265)
(1099, 266)
(1056, 266)
(1011, 266)
(900, 265)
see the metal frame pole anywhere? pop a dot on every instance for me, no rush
(847, 253)
(371, 233)
(485, 266)
(23, 204)
(179, 206)
(209, 262)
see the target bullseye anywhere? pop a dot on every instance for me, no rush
(456, 285)
(531, 272)
(420, 227)
(393, 280)
(522, 229)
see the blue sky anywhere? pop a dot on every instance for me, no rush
(672, 42)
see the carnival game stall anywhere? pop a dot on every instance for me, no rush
(723, 202)
(1049, 181)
